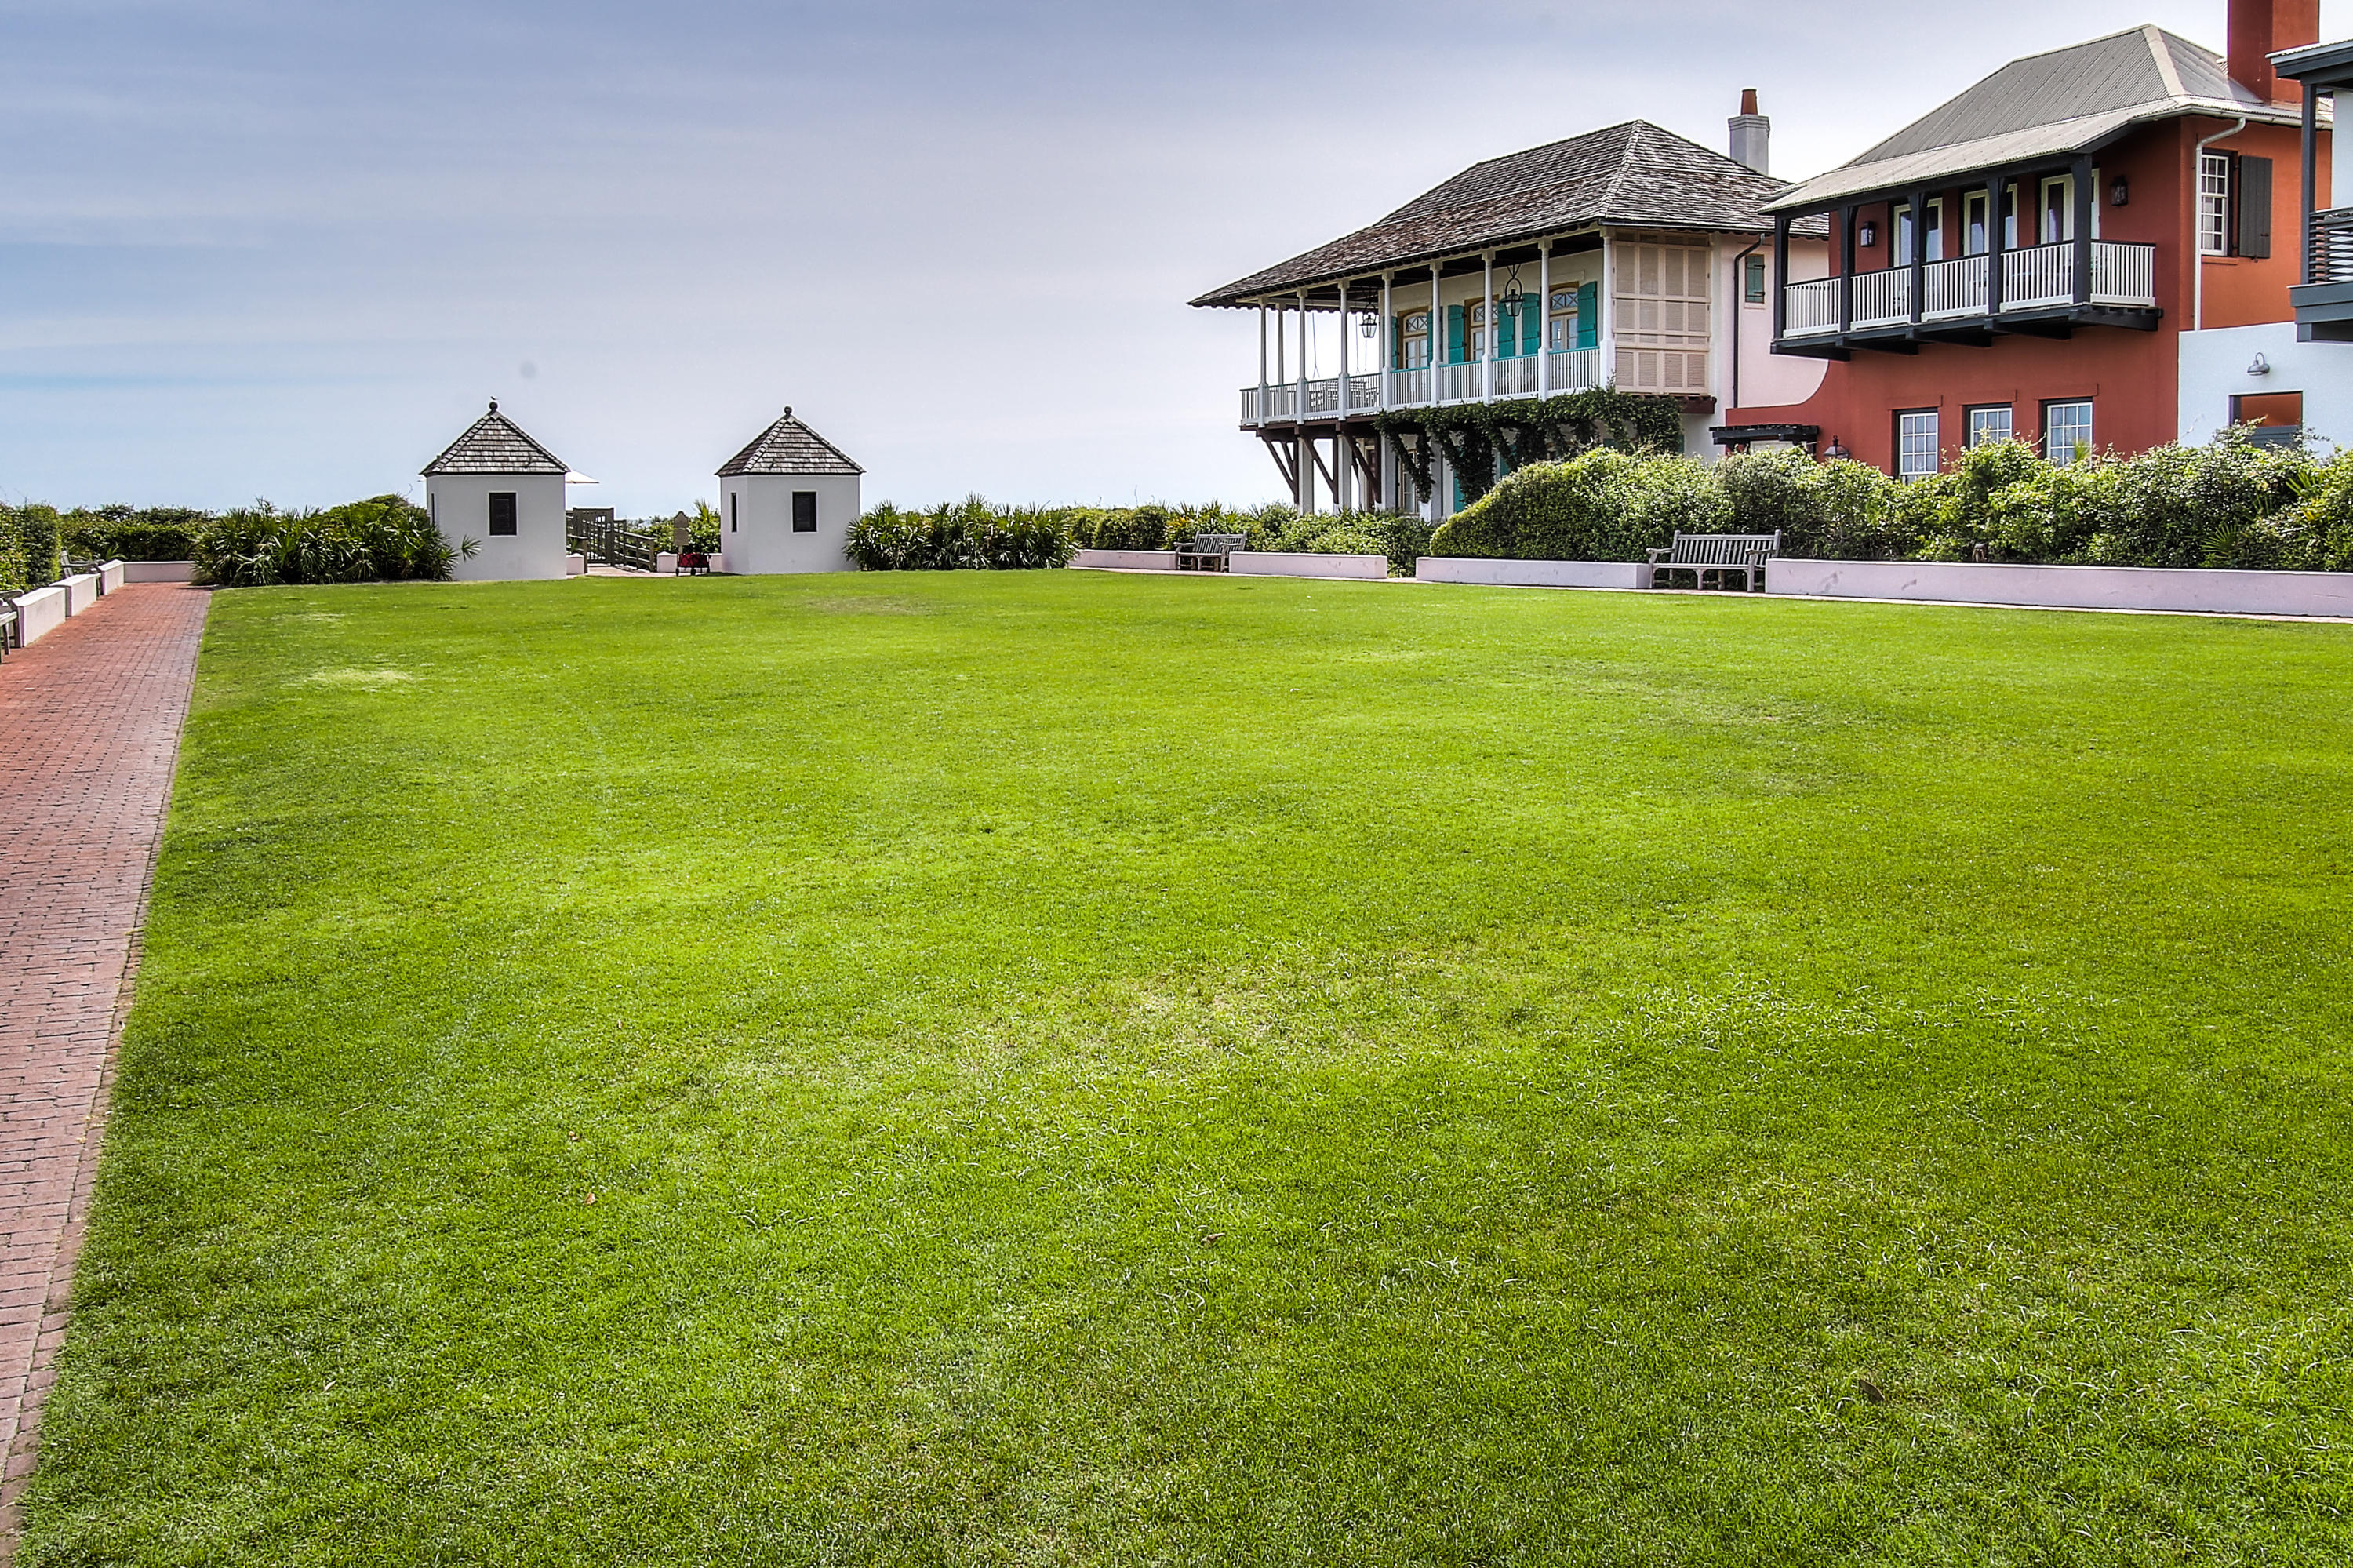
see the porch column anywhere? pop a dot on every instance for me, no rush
(1387, 336)
(1437, 339)
(1487, 309)
(1919, 258)
(1608, 307)
(1262, 362)
(2311, 183)
(2084, 196)
(1544, 318)
(1995, 189)
(1847, 269)
(1780, 276)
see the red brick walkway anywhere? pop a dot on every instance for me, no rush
(89, 727)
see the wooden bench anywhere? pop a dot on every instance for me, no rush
(1207, 552)
(8, 627)
(1723, 554)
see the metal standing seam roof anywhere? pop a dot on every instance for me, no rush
(495, 444)
(1629, 176)
(788, 446)
(2049, 105)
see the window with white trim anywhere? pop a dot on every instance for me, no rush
(2067, 431)
(2213, 203)
(1916, 444)
(1991, 423)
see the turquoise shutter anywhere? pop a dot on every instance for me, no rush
(1532, 314)
(1456, 353)
(1397, 342)
(1588, 315)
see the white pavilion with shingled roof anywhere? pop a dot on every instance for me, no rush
(786, 501)
(500, 488)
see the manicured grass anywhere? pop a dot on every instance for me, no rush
(1080, 1069)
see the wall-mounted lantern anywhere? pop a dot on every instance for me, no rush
(2120, 192)
(1868, 236)
(1836, 452)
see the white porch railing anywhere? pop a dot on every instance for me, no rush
(1459, 382)
(2039, 276)
(1814, 306)
(1574, 369)
(1882, 298)
(1955, 288)
(1515, 377)
(1363, 394)
(1410, 386)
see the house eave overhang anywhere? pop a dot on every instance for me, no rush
(2048, 143)
(1280, 284)
(2316, 65)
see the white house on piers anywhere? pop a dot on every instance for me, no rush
(502, 490)
(1492, 287)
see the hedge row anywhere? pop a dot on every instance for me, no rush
(29, 546)
(973, 534)
(2227, 503)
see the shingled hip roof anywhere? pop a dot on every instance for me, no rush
(2046, 106)
(495, 444)
(1634, 175)
(788, 446)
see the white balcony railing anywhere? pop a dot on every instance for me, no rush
(1882, 298)
(2040, 277)
(1814, 306)
(1955, 288)
(1565, 370)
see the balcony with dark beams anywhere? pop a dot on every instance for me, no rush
(1993, 288)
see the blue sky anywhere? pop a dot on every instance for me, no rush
(264, 248)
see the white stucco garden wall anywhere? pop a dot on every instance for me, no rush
(2214, 370)
(1532, 574)
(755, 523)
(2189, 590)
(460, 507)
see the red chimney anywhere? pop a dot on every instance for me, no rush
(1747, 101)
(2263, 27)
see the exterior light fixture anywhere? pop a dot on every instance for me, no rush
(1369, 325)
(1868, 236)
(2262, 366)
(1511, 296)
(2120, 192)
(1836, 452)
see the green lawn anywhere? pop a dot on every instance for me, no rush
(1057, 1068)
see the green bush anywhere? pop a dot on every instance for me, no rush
(971, 535)
(132, 534)
(385, 539)
(29, 546)
(1593, 508)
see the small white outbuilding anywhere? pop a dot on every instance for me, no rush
(498, 487)
(786, 501)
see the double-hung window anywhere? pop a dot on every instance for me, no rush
(2067, 431)
(1989, 423)
(1916, 444)
(2213, 203)
(1413, 341)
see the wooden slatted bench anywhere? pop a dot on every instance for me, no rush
(1700, 553)
(8, 627)
(1207, 552)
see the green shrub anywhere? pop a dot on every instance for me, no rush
(385, 539)
(132, 534)
(1588, 508)
(970, 536)
(29, 546)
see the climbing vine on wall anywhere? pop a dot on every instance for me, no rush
(1472, 436)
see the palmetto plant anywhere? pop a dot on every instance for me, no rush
(386, 538)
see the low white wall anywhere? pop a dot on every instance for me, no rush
(109, 578)
(666, 563)
(575, 566)
(81, 591)
(1125, 560)
(159, 571)
(719, 563)
(39, 612)
(1302, 564)
(2071, 588)
(1532, 574)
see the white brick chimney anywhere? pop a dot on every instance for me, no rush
(1751, 135)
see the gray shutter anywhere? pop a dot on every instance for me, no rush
(2255, 205)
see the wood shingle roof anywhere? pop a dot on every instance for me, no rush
(495, 444)
(788, 446)
(1634, 175)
